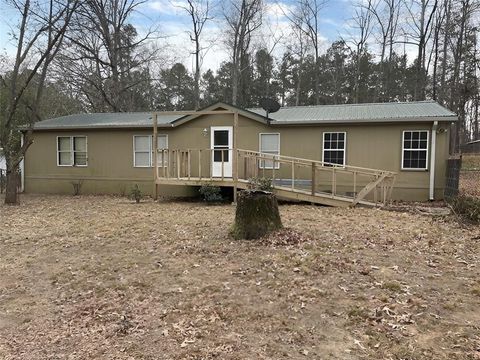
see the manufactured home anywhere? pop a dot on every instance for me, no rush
(329, 154)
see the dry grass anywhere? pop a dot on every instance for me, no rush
(471, 162)
(102, 278)
(470, 175)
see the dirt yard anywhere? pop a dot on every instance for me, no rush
(103, 278)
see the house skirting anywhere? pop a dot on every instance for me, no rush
(122, 186)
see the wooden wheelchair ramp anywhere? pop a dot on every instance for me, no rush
(292, 178)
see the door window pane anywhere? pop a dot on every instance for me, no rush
(217, 155)
(220, 138)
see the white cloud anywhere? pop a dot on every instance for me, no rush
(167, 7)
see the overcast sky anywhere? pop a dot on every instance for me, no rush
(172, 23)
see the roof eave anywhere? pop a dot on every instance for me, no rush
(366, 121)
(99, 127)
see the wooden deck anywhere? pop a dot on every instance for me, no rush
(308, 180)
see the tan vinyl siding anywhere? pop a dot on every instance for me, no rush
(111, 169)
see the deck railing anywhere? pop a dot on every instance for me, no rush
(289, 174)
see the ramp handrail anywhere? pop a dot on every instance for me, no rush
(353, 184)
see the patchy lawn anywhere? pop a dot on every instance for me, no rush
(102, 278)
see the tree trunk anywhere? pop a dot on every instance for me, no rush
(256, 215)
(11, 195)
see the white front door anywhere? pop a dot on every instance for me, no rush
(221, 141)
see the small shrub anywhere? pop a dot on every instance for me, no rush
(123, 191)
(392, 286)
(260, 183)
(77, 186)
(210, 193)
(136, 193)
(468, 207)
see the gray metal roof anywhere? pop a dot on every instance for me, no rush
(104, 120)
(360, 112)
(298, 115)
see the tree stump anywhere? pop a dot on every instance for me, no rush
(256, 215)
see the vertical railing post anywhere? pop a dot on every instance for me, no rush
(188, 163)
(354, 183)
(334, 182)
(163, 162)
(235, 157)
(293, 174)
(211, 156)
(273, 171)
(223, 163)
(200, 164)
(313, 178)
(178, 163)
(155, 154)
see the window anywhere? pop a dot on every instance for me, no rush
(269, 144)
(415, 149)
(71, 151)
(334, 147)
(143, 150)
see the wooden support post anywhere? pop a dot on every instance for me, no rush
(211, 162)
(178, 164)
(163, 162)
(334, 182)
(188, 164)
(273, 172)
(200, 164)
(169, 156)
(313, 178)
(293, 175)
(155, 155)
(235, 155)
(223, 163)
(354, 184)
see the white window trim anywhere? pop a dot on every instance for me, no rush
(150, 156)
(344, 147)
(277, 164)
(427, 149)
(72, 152)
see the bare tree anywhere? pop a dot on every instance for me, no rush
(306, 19)
(39, 36)
(104, 50)
(461, 42)
(199, 13)
(362, 23)
(243, 18)
(386, 14)
(420, 27)
(447, 5)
